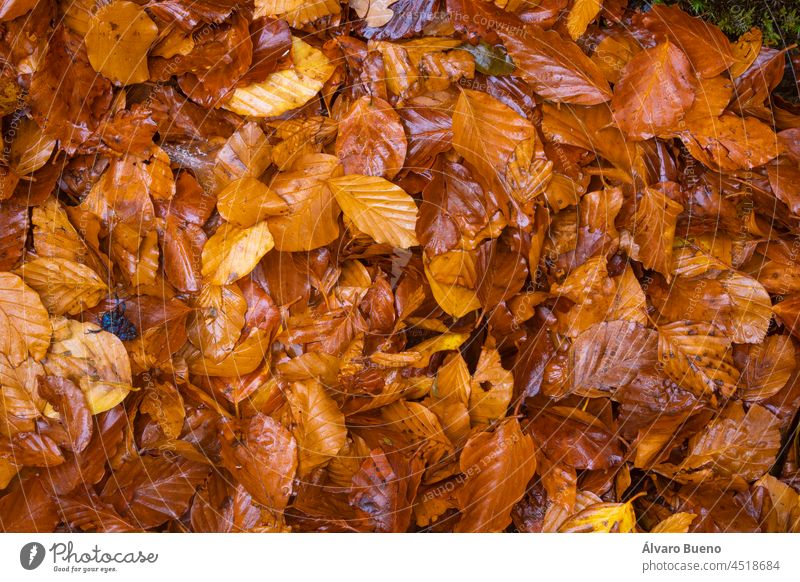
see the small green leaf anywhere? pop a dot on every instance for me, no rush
(490, 60)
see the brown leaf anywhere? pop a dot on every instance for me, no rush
(371, 139)
(654, 92)
(768, 367)
(653, 230)
(150, 490)
(318, 425)
(68, 400)
(263, 458)
(384, 488)
(556, 68)
(698, 358)
(498, 466)
(704, 43)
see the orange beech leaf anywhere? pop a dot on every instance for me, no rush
(707, 47)
(371, 139)
(654, 230)
(68, 400)
(556, 68)
(736, 444)
(318, 425)
(768, 367)
(491, 136)
(698, 358)
(498, 466)
(119, 36)
(25, 327)
(232, 252)
(396, 266)
(262, 455)
(305, 190)
(654, 92)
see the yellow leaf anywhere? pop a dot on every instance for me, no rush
(581, 15)
(491, 389)
(94, 359)
(275, 7)
(677, 523)
(311, 10)
(313, 218)
(246, 201)
(318, 425)
(602, 518)
(232, 252)
(440, 343)
(449, 397)
(785, 510)
(375, 13)
(216, 324)
(65, 287)
(120, 34)
(284, 90)
(244, 358)
(378, 208)
(454, 299)
(745, 51)
(24, 323)
(30, 149)
(7, 472)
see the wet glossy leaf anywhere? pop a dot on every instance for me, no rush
(119, 36)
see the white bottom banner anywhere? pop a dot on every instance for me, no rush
(380, 558)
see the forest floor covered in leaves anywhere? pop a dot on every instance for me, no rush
(397, 266)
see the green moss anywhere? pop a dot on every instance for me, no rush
(779, 20)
